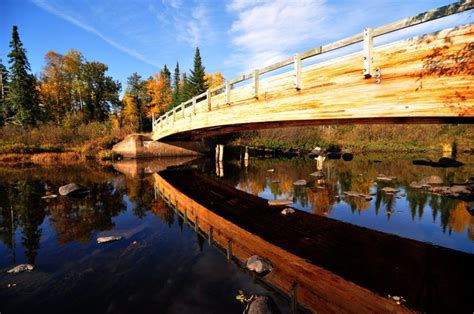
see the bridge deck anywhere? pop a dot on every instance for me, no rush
(428, 78)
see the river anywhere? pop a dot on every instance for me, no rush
(162, 265)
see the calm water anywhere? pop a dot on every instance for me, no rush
(161, 265)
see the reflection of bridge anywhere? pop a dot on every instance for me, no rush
(334, 264)
(424, 79)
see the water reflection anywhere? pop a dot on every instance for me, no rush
(159, 266)
(410, 213)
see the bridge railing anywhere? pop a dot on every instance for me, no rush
(366, 37)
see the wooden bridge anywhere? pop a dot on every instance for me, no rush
(425, 79)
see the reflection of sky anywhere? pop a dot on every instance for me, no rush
(400, 222)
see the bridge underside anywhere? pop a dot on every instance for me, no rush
(235, 128)
(426, 79)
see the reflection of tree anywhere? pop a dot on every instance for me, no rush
(19, 202)
(300, 195)
(77, 219)
(460, 219)
(138, 192)
(162, 211)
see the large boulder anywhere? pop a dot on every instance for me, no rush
(259, 264)
(262, 304)
(73, 189)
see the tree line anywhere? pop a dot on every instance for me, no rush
(71, 88)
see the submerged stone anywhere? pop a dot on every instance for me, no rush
(101, 240)
(262, 304)
(72, 189)
(287, 211)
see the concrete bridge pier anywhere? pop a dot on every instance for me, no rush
(137, 146)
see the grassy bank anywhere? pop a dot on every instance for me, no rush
(50, 143)
(364, 138)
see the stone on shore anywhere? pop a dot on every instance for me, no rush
(416, 185)
(101, 240)
(259, 264)
(382, 177)
(21, 268)
(72, 189)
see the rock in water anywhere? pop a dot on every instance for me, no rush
(72, 189)
(280, 202)
(460, 189)
(352, 193)
(347, 156)
(49, 196)
(101, 240)
(300, 182)
(287, 211)
(21, 268)
(431, 180)
(390, 190)
(259, 264)
(318, 175)
(416, 185)
(382, 177)
(449, 162)
(422, 162)
(262, 304)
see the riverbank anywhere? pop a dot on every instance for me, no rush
(420, 138)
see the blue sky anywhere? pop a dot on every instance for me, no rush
(234, 36)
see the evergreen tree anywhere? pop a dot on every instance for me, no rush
(22, 97)
(197, 83)
(137, 89)
(185, 89)
(3, 90)
(176, 87)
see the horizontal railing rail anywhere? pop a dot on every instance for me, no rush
(366, 36)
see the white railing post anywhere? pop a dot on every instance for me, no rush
(153, 122)
(255, 84)
(368, 52)
(297, 62)
(227, 92)
(208, 97)
(182, 109)
(194, 105)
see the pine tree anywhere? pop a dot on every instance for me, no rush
(185, 89)
(3, 90)
(22, 97)
(176, 87)
(197, 83)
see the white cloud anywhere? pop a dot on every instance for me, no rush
(269, 30)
